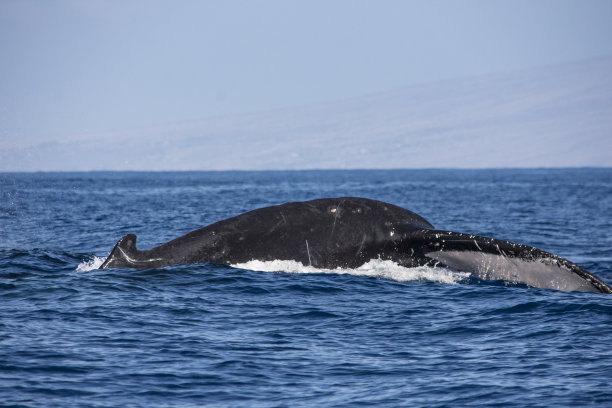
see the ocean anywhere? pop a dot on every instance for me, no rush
(282, 335)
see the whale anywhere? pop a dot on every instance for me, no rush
(347, 232)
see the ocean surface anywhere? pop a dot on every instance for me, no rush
(292, 336)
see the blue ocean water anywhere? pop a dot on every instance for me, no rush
(211, 335)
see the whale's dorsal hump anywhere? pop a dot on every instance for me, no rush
(123, 253)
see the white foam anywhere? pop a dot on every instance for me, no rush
(375, 267)
(89, 265)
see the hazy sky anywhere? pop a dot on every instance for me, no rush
(71, 67)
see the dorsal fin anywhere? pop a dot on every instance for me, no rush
(123, 253)
(128, 243)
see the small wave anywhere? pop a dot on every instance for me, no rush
(376, 268)
(90, 264)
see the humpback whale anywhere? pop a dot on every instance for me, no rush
(347, 232)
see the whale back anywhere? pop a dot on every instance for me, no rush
(347, 232)
(327, 232)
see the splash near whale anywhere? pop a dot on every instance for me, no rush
(348, 232)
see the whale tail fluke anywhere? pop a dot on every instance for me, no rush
(124, 253)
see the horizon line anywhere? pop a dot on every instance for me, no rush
(552, 168)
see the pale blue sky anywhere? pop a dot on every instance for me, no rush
(72, 67)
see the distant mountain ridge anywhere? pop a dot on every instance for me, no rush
(558, 116)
